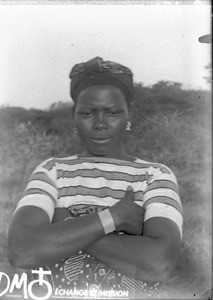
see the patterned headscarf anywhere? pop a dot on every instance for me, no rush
(97, 71)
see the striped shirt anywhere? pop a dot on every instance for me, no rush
(63, 182)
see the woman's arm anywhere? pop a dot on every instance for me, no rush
(148, 257)
(33, 241)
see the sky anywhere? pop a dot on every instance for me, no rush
(39, 44)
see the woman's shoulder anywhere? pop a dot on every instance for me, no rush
(153, 165)
(53, 162)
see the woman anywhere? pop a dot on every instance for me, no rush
(102, 219)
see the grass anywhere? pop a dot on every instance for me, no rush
(183, 144)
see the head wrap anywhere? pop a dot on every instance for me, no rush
(97, 71)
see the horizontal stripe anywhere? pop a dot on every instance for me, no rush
(39, 192)
(99, 160)
(74, 266)
(67, 162)
(108, 178)
(162, 184)
(137, 163)
(98, 192)
(162, 192)
(73, 269)
(51, 174)
(67, 201)
(49, 164)
(72, 272)
(99, 183)
(41, 201)
(74, 278)
(165, 200)
(73, 275)
(165, 211)
(163, 176)
(78, 257)
(75, 261)
(103, 168)
(43, 177)
(46, 187)
(96, 173)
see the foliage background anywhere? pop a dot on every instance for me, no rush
(171, 125)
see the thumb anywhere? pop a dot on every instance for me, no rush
(129, 188)
(129, 193)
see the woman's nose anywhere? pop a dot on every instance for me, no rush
(100, 122)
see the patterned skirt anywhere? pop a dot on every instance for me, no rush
(83, 272)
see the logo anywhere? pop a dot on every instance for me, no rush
(27, 288)
(9, 286)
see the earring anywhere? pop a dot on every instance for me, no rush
(128, 125)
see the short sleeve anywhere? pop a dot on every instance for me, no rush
(161, 197)
(41, 190)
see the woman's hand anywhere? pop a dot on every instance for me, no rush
(60, 214)
(127, 215)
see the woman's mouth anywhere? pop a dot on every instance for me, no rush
(101, 141)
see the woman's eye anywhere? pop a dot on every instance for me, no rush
(114, 113)
(85, 114)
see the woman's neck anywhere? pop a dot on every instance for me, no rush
(121, 156)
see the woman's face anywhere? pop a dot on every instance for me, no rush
(101, 116)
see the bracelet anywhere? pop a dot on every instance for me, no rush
(107, 221)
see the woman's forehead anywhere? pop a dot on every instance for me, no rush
(104, 95)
